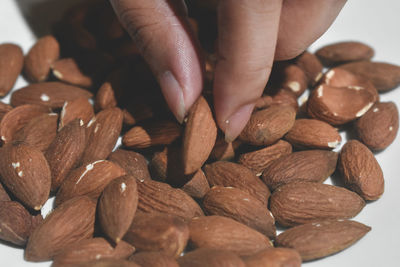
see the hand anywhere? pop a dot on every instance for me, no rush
(252, 34)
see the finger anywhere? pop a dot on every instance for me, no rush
(303, 22)
(161, 31)
(247, 33)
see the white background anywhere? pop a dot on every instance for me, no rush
(376, 23)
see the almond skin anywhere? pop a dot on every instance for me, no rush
(117, 207)
(267, 126)
(311, 66)
(323, 238)
(108, 263)
(65, 151)
(25, 172)
(210, 257)
(289, 77)
(12, 61)
(311, 133)
(274, 257)
(221, 232)
(198, 186)
(240, 206)
(105, 97)
(79, 108)
(42, 54)
(225, 173)
(133, 163)
(378, 128)
(154, 259)
(49, 94)
(88, 180)
(158, 232)
(361, 171)
(71, 222)
(4, 108)
(199, 136)
(3, 194)
(303, 202)
(310, 165)
(68, 70)
(223, 150)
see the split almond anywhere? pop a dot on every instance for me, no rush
(79, 108)
(12, 61)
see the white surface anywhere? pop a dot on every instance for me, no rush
(374, 22)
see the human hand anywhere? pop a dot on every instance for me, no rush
(252, 34)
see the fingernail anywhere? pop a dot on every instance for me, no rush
(173, 94)
(237, 121)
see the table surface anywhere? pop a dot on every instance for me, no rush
(369, 21)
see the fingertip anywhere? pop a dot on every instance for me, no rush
(234, 124)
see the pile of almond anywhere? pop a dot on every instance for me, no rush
(179, 195)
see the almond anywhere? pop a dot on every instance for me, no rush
(25, 172)
(267, 126)
(117, 206)
(302, 202)
(259, 159)
(274, 257)
(285, 97)
(158, 232)
(154, 259)
(198, 186)
(108, 263)
(68, 70)
(310, 165)
(133, 163)
(105, 97)
(378, 128)
(225, 173)
(103, 133)
(42, 54)
(210, 257)
(323, 238)
(199, 136)
(361, 171)
(221, 232)
(79, 108)
(49, 94)
(12, 61)
(3, 194)
(4, 108)
(311, 66)
(311, 133)
(344, 52)
(240, 206)
(223, 150)
(71, 222)
(65, 151)
(290, 77)
(91, 249)
(89, 180)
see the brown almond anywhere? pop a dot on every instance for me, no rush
(199, 136)
(384, 76)
(105, 97)
(89, 180)
(240, 206)
(117, 206)
(309, 165)
(378, 127)
(68, 70)
(17, 118)
(79, 108)
(91, 249)
(311, 133)
(108, 263)
(226, 173)
(49, 94)
(3, 194)
(223, 150)
(12, 61)
(267, 126)
(103, 133)
(210, 257)
(339, 105)
(311, 66)
(160, 197)
(158, 232)
(152, 134)
(71, 222)
(259, 159)
(197, 186)
(344, 52)
(4, 108)
(323, 238)
(221, 232)
(290, 77)
(42, 54)
(285, 97)
(133, 163)
(361, 171)
(25, 172)
(153, 259)
(303, 202)
(65, 151)
(263, 102)
(39, 132)
(274, 257)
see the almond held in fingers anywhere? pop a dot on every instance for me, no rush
(71, 222)
(79, 108)
(378, 128)
(40, 57)
(12, 61)
(361, 171)
(132, 162)
(311, 66)
(154, 259)
(320, 239)
(309, 165)
(68, 70)
(210, 257)
(25, 172)
(302, 202)
(274, 257)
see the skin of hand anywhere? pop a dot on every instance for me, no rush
(251, 35)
